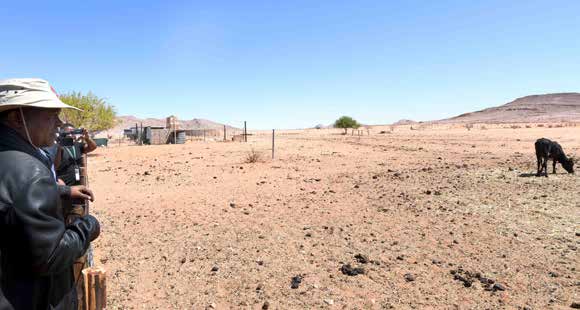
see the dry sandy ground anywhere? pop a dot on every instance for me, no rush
(448, 219)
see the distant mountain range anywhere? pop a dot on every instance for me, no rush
(548, 108)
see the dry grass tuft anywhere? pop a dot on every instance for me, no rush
(253, 157)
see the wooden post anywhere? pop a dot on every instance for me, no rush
(245, 132)
(77, 210)
(225, 133)
(273, 135)
(141, 135)
(95, 279)
(174, 131)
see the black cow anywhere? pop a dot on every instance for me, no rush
(546, 149)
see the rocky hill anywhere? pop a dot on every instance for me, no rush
(560, 107)
(404, 122)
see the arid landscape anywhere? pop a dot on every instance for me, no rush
(282, 155)
(435, 218)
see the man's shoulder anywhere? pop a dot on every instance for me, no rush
(21, 165)
(18, 171)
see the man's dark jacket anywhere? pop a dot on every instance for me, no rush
(37, 251)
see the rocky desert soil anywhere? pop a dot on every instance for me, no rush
(422, 219)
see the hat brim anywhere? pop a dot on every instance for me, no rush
(44, 104)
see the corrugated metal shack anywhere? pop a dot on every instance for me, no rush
(155, 135)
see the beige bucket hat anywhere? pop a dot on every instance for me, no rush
(31, 93)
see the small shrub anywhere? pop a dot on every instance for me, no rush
(515, 127)
(346, 122)
(483, 128)
(468, 126)
(540, 125)
(528, 126)
(253, 157)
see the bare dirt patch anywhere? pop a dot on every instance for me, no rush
(413, 219)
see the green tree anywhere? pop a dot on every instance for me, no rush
(95, 115)
(346, 122)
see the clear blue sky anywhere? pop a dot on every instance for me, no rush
(294, 64)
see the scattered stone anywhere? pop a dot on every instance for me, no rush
(266, 305)
(212, 306)
(308, 234)
(215, 269)
(296, 282)
(553, 274)
(409, 277)
(329, 301)
(232, 205)
(361, 258)
(466, 282)
(498, 287)
(575, 305)
(356, 186)
(351, 271)
(427, 192)
(146, 173)
(183, 260)
(260, 287)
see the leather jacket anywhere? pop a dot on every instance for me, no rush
(37, 250)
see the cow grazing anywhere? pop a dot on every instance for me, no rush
(546, 149)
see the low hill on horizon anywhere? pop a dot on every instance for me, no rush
(548, 108)
(404, 122)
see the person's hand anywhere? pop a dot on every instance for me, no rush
(81, 192)
(60, 182)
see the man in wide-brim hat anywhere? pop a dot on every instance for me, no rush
(37, 250)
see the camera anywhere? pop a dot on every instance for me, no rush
(76, 131)
(66, 138)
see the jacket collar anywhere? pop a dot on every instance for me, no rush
(10, 140)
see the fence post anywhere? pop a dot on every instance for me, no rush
(95, 281)
(273, 134)
(225, 133)
(245, 132)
